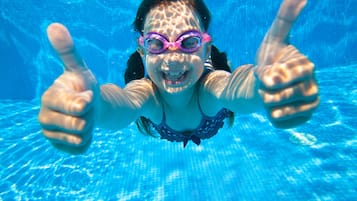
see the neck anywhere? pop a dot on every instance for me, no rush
(179, 100)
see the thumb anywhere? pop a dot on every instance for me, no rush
(62, 42)
(277, 37)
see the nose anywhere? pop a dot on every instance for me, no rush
(172, 62)
(173, 48)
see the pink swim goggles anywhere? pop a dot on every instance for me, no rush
(187, 42)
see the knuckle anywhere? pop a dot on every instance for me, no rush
(271, 79)
(77, 124)
(300, 65)
(80, 125)
(76, 141)
(80, 141)
(46, 134)
(275, 114)
(268, 98)
(79, 104)
(280, 96)
(308, 89)
(312, 90)
(288, 92)
(43, 118)
(46, 95)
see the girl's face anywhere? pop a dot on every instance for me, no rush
(174, 70)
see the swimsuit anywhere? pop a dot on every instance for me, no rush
(208, 127)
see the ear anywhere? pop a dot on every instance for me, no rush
(141, 51)
(208, 50)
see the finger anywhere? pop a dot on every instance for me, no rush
(72, 149)
(295, 68)
(287, 15)
(62, 42)
(287, 53)
(293, 110)
(290, 123)
(67, 101)
(305, 91)
(65, 139)
(55, 121)
(277, 36)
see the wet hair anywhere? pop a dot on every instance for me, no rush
(147, 5)
(135, 67)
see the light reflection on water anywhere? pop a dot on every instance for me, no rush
(252, 160)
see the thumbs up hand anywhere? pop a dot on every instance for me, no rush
(67, 113)
(287, 83)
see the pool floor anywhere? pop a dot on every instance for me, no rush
(250, 161)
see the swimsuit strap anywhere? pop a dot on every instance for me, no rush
(200, 108)
(163, 120)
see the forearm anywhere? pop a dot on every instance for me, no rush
(241, 92)
(119, 107)
(115, 110)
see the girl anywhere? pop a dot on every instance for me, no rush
(188, 90)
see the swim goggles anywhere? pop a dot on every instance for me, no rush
(187, 42)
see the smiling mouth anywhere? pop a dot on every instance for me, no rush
(174, 78)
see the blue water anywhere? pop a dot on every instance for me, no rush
(250, 161)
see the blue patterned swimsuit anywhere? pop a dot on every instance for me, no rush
(208, 127)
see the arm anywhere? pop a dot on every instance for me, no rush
(283, 78)
(286, 77)
(75, 103)
(237, 92)
(119, 107)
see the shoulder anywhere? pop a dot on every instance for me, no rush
(144, 91)
(141, 88)
(144, 83)
(210, 89)
(214, 82)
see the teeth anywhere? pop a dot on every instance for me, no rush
(173, 75)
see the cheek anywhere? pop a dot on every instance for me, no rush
(153, 66)
(197, 64)
(198, 60)
(152, 63)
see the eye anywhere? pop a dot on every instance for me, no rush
(154, 44)
(191, 42)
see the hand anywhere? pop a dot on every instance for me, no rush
(67, 107)
(287, 82)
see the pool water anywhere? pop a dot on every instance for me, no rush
(249, 161)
